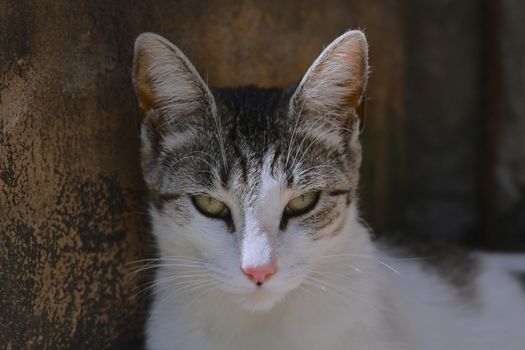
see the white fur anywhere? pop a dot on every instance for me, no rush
(382, 309)
(435, 316)
(177, 139)
(285, 316)
(261, 229)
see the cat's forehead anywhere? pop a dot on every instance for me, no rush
(257, 129)
(256, 117)
(255, 144)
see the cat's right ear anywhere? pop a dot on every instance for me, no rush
(335, 84)
(168, 88)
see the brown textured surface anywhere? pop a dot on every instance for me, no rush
(70, 189)
(70, 185)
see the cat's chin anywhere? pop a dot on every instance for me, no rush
(259, 300)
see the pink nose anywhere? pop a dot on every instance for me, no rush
(259, 274)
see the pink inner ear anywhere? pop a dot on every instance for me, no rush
(357, 64)
(143, 83)
(338, 78)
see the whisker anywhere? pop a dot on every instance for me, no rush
(367, 226)
(132, 274)
(219, 136)
(170, 257)
(335, 287)
(294, 131)
(171, 278)
(389, 267)
(164, 285)
(304, 138)
(167, 282)
(327, 166)
(315, 139)
(187, 289)
(162, 263)
(202, 294)
(334, 273)
(303, 288)
(375, 257)
(172, 165)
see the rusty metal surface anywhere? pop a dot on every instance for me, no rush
(71, 197)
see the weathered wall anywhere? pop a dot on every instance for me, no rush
(443, 117)
(71, 204)
(509, 200)
(69, 179)
(465, 121)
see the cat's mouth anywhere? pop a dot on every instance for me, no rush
(258, 299)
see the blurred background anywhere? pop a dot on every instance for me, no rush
(444, 144)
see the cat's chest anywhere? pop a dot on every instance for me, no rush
(298, 324)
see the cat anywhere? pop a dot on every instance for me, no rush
(254, 208)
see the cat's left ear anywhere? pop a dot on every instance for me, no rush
(335, 84)
(169, 89)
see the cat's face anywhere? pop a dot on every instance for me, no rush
(249, 187)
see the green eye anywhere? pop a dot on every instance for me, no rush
(209, 206)
(302, 204)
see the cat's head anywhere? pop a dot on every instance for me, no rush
(250, 187)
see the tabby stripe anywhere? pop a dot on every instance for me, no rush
(338, 192)
(160, 199)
